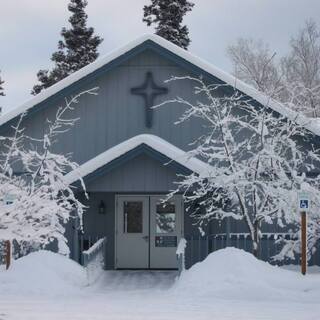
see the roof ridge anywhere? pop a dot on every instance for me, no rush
(311, 124)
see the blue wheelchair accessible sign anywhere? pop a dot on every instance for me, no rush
(303, 201)
(304, 204)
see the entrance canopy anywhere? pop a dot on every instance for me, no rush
(151, 144)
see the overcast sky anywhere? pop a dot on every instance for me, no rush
(30, 30)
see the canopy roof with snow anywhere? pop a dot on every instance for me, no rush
(182, 56)
(159, 148)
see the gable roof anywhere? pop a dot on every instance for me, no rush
(170, 50)
(168, 151)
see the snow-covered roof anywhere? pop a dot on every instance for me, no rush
(158, 144)
(311, 124)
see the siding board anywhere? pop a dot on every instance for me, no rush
(115, 115)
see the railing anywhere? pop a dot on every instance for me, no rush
(181, 255)
(87, 241)
(198, 248)
(93, 260)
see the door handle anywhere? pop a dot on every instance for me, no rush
(145, 238)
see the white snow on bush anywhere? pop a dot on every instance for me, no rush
(43, 272)
(235, 274)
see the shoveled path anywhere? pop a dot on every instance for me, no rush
(141, 295)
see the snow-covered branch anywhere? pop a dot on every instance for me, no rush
(35, 200)
(259, 160)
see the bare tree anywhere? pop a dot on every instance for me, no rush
(256, 163)
(294, 80)
(302, 70)
(254, 63)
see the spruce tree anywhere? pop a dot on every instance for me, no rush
(167, 16)
(1, 87)
(77, 48)
(1, 91)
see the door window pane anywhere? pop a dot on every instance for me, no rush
(133, 215)
(165, 217)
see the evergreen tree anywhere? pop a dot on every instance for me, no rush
(167, 15)
(1, 88)
(77, 49)
(1, 91)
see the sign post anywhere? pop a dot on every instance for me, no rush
(304, 206)
(7, 254)
(303, 242)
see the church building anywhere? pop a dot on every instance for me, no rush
(131, 154)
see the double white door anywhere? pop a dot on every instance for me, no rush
(147, 232)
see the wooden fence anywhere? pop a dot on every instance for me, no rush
(198, 247)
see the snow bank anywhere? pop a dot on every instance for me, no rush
(42, 272)
(235, 274)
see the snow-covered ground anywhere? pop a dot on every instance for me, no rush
(229, 284)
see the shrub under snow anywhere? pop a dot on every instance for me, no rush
(43, 272)
(235, 274)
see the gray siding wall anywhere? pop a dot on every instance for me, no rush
(111, 117)
(116, 115)
(141, 174)
(101, 225)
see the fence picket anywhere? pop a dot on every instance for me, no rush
(269, 247)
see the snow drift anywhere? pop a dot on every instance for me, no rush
(42, 272)
(229, 274)
(235, 274)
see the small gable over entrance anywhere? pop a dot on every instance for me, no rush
(145, 163)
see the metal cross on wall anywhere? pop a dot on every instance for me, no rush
(149, 91)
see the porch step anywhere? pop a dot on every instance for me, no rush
(133, 280)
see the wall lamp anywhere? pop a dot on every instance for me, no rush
(102, 208)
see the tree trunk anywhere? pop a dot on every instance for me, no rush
(255, 249)
(256, 240)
